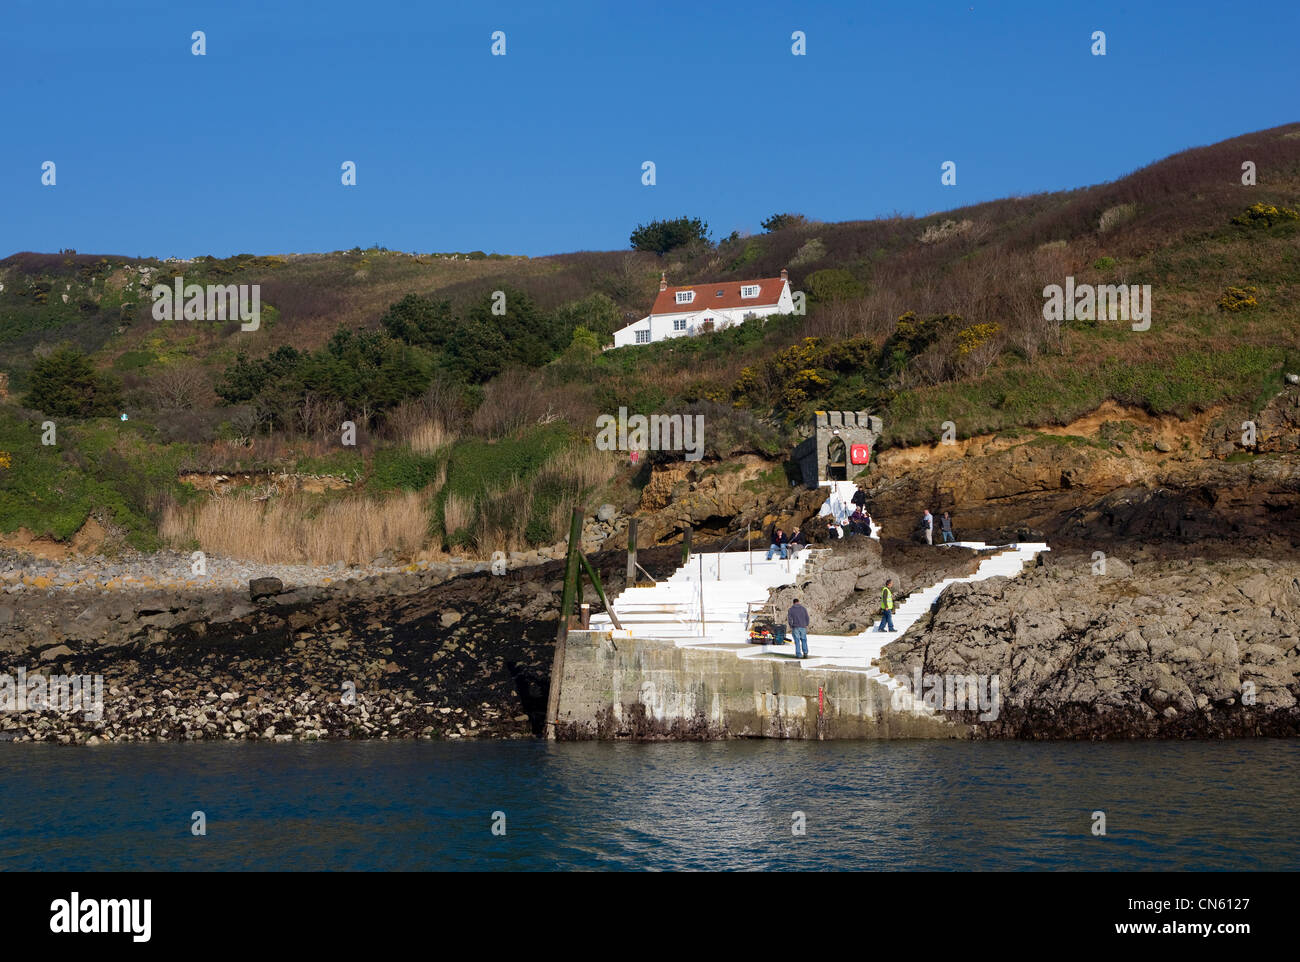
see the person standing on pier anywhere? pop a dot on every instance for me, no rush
(927, 525)
(886, 606)
(947, 528)
(797, 619)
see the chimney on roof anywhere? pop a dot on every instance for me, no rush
(663, 280)
(785, 275)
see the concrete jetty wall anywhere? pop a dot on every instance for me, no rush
(613, 686)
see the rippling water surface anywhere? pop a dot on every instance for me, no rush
(718, 805)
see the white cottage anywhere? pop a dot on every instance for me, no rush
(682, 311)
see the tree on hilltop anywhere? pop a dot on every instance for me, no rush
(782, 221)
(662, 236)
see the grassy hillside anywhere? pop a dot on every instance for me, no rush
(924, 320)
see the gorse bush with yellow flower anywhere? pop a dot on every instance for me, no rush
(1238, 299)
(1265, 215)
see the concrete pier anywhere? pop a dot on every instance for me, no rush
(618, 686)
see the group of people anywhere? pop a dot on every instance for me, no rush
(784, 544)
(798, 619)
(927, 527)
(842, 522)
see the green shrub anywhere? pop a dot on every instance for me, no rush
(64, 384)
(833, 284)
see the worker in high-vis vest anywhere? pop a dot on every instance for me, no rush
(887, 606)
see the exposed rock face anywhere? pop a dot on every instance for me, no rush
(715, 502)
(1107, 482)
(1163, 648)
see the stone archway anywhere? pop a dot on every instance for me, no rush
(837, 466)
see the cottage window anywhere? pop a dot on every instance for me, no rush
(749, 290)
(685, 297)
(643, 337)
(679, 324)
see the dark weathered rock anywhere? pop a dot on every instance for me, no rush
(264, 587)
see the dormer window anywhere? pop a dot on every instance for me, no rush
(718, 294)
(749, 290)
(685, 297)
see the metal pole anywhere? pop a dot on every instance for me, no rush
(701, 594)
(749, 541)
(686, 545)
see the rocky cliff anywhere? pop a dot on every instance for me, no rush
(1085, 648)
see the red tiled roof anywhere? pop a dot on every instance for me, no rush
(706, 296)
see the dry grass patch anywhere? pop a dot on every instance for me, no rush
(302, 530)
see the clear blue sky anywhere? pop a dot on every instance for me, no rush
(160, 152)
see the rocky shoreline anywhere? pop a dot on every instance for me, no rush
(410, 655)
(1170, 598)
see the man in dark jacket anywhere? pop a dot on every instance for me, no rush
(779, 543)
(797, 619)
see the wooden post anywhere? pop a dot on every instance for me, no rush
(686, 545)
(631, 552)
(600, 591)
(562, 631)
(586, 617)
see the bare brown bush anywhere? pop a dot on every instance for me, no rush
(181, 386)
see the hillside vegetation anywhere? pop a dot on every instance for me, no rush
(474, 380)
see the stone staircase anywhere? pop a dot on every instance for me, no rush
(728, 586)
(859, 652)
(731, 583)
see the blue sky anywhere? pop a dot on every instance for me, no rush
(161, 153)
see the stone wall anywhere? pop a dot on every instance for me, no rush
(615, 687)
(851, 427)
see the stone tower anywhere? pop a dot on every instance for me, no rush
(839, 447)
